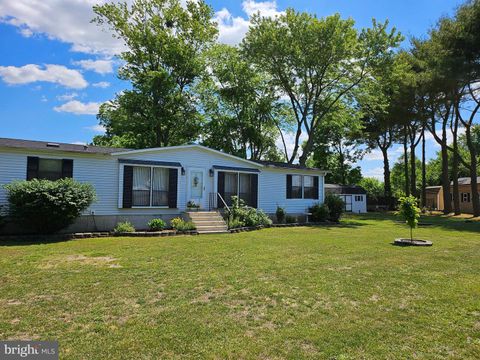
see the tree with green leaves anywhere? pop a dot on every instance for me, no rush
(315, 63)
(165, 43)
(410, 212)
(241, 110)
(337, 145)
(372, 186)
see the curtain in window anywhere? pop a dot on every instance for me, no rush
(296, 186)
(231, 186)
(141, 186)
(308, 187)
(245, 188)
(160, 187)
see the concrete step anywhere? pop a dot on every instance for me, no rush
(209, 222)
(201, 228)
(214, 232)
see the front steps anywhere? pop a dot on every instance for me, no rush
(208, 222)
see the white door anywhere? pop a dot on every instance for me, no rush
(196, 186)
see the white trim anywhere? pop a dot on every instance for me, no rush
(167, 148)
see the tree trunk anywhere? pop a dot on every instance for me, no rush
(387, 185)
(405, 162)
(413, 171)
(455, 194)
(447, 200)
(424, 171)
(473, 172)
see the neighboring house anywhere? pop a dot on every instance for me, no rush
(137, 185)
(435, 195)
(354, 196)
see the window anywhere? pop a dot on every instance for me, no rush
(358, 198)
(50, 169)
(297, 186)
(231, 186)
(465, 197)
(302, 187)
(245, 188)
(308, 187)
(150, 186)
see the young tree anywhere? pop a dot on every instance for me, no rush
(410, 212)
(315, 63)
(163, 57)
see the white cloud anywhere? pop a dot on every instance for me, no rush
(101, 84)
(99, 66)
(232, 29)
(67, 97)
(97, 129)
(79, 108)
(79, 143)
(64, 20)
(265, 8)
(58, 74)
(376, 172)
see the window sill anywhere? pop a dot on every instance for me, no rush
(150, 207)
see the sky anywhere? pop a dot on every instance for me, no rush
(56, 67)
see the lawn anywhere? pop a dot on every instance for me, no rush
(330, 292)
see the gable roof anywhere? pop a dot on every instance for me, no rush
(190, 146)
(55, 146)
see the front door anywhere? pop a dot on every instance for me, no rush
(196, 180)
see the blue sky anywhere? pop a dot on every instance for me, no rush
(56, 67)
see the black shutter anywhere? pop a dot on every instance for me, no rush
(172, 188)
(127, 186)
(315, 187)
(254, 179)
(32, 167)
(67, 168)
(289, 186)
(221, 188)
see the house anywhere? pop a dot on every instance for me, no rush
(354, 196)
(138, 185)
(435, 195)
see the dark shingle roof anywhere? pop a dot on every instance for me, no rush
(344, 189)
(55, 146)
(285, 165)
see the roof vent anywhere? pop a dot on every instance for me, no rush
(55, 145)
(85, 147)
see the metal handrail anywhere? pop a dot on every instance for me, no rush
(223, 201)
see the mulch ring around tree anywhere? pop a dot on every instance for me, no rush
(414, 242)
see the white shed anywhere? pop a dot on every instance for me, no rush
(354, 196)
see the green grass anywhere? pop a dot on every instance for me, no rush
(331, 292)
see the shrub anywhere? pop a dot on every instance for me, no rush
(3, 216)
(156, 224)
(320, 212)
(247, 215)
(410, 212)
(235, 223)
(46, 206)
(289, 219)
(124, 227)
(181, 225)
(280, 214)
(336, 207)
